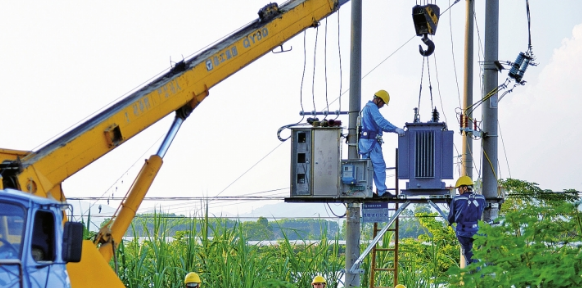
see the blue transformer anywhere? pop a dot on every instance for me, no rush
(425, 156)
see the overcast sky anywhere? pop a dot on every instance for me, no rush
(62, 61)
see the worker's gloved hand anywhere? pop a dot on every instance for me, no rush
(400, 132)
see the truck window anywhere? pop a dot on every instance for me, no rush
(43, 236)
(12, 218)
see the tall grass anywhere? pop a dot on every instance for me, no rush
(223, 257)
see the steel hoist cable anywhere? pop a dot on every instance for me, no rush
(417, 110)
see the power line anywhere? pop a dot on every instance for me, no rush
(184, 198)
(158, 216)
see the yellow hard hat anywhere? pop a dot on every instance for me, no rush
(399, 286)
(192, 277)
(318, 279)
(383, 95)
(464, 181)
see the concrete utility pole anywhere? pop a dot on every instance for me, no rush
(353, 209)
(490, 112)
(467, 157)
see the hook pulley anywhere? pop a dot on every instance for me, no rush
(429, 44)
(426, 19)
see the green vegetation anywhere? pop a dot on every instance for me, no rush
(537, 244)
(259, 230)
(224, 259)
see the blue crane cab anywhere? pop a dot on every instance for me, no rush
(35, 246)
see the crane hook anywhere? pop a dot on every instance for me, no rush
(428, 43)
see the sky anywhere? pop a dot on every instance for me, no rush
(63, 61)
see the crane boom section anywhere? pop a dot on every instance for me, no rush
(185, 85)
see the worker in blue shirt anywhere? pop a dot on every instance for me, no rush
(466, 210)
(370, 143)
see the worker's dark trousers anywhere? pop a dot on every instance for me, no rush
(467, 245)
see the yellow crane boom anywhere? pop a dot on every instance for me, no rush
(41, 172)
(180, 90)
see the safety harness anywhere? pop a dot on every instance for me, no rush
(469, 221)
(368, 134)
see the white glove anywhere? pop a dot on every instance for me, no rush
(400, 132)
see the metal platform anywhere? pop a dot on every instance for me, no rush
(396, 199)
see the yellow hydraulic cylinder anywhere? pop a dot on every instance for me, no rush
(129, 207)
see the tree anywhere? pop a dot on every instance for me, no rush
(258, 231)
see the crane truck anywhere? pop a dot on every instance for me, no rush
(39, 247)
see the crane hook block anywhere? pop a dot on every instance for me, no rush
(426, 19)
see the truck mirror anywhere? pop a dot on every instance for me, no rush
(72, 241)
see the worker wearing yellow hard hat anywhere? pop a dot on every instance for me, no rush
(373, 125)
(464, 181)
(192, 280)
(466, 210)
(382, 94)
(318, 282)
(399, 286)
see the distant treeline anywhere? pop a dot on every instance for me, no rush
(261, 229)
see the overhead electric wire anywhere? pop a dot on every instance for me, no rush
(303, 73)
(391, 54)
(456, 76)
(314, 66)
(374, 68)
(490, 164)
(187, 198)
(333, 213)
(137, 87)
(212, 200)
(162, 216)
(528, 26)
(300, 92)
(325, 66)
(340, 64)
(126, 172)
(250, 168)
(341, 93)
(453, 56)
(439, 89)
(504, 150)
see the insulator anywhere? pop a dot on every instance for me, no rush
(515, 68)
(475, 125)
(335, 123)
(416, 115)
(310, 120)
(523, 67)
(461, 121)
(435, 115)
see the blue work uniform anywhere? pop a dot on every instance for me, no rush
(373, 124)
(466, 210)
